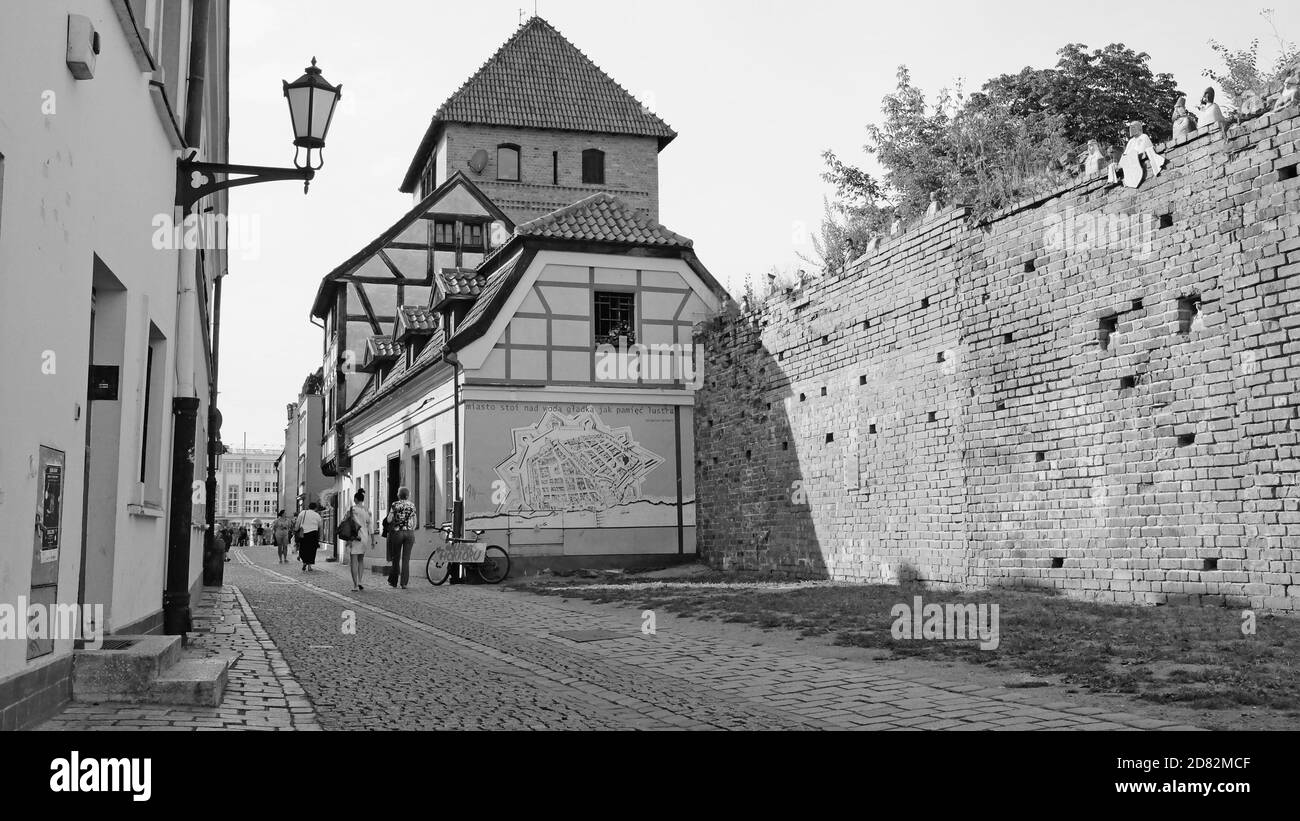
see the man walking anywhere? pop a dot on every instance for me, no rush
(308, 526)
(401, 538)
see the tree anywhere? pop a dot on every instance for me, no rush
(1017, 137)
(1095, 93)
(1242, 70)
(313, 384)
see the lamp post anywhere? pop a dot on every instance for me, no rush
(311, 108)
(312, 101)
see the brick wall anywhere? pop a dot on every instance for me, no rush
(631, 168)
(1094, 393)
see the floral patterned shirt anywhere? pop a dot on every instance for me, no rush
(402, 516)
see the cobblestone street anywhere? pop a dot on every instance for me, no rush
(472, 657)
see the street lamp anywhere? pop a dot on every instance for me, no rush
(311, 108)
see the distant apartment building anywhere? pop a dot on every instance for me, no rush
(301, 479)
(286, 467)
(248, 486)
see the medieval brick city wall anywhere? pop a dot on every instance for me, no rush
(1095, 393)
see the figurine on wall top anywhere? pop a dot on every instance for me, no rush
(1290, 92)
(1252, 105)
(1094, 161)
(1211, 114)
(1139, 144)
(934, 204)
(1184, 120)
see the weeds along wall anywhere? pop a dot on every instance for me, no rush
(1094, 393)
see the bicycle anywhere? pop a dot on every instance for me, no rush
(491, 562)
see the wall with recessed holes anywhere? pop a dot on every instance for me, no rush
(1094, 393)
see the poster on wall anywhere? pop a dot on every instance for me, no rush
(51, 479)
(49, 506)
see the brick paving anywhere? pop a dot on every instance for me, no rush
(261, 693)
(472, 657)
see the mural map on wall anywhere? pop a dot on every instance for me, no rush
(574, 462)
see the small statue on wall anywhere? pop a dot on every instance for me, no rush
(896, 228)
(1252, 105)
(1184, 120)
(873, 245)
(934, 204)
(1211, 114)
(1290, 92)
(1094, 162)
(1139, 145)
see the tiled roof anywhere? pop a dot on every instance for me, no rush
(538, 79)
(382, 346)
(418, 319)
(490, 289)
(460, 282)
(602, 218)
(398, 376)
(379, 349)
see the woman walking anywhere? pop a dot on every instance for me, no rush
(364, 541)
(280, 533)
(309, 526)
(401, 538)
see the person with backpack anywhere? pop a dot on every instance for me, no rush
(357, 530)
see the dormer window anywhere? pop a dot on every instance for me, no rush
(508, 162)
(593, 167)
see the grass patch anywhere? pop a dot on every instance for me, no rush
(1177, 654)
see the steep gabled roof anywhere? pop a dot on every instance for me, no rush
(539, 79)
(320, 306)
(601, 223)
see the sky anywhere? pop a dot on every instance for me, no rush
(756, 89)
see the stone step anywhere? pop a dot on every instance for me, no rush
(197, 682)
(122, 674)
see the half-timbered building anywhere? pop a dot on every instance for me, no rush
(517, 349)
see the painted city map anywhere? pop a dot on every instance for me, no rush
(574, 463)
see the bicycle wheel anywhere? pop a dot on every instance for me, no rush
(495, 566)
(436, 571)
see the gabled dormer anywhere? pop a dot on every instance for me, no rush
(416, 325)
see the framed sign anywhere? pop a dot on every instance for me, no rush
(462, 553)
(104, 381)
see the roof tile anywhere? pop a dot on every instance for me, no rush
(603, 218)
(539, 79)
